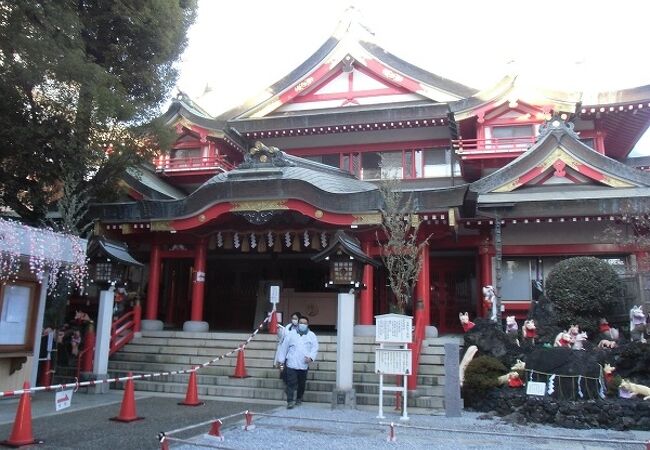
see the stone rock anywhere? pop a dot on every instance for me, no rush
(492, 341)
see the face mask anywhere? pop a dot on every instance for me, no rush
(294, 321)
(303, 327)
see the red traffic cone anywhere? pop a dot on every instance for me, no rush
(127, 411)
(215, 430)
(273, 323)
(21, 433)
(240, 368)
(191, 397)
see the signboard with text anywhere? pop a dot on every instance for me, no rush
(394, 328)
(393, 361)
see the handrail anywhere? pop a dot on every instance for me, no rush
(167, 163)
(120, 320)
(124, 328)
(492, 145)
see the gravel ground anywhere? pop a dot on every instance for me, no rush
(313, 426)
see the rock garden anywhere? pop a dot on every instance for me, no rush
(565, 364)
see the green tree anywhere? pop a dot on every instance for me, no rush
(81, 83)
(582, 290)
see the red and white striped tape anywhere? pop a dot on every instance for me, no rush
(77, 384)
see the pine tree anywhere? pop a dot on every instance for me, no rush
(81, 83)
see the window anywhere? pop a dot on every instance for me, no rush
(517, 136)
(186, 153)
(513, 131)
(515, 279)
(17, 301)
(382, 165)
(435, 163)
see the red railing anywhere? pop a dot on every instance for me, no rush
(123, 330)
(168, 164)
(493, 147)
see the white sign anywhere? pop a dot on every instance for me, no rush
(274, 294)
(63, 399)
(394, 361)
(536, 388)
(394, 328)
(200, 277)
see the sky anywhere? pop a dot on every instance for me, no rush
(241, 47)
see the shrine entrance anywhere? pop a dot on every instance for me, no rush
(453, 289)
(236, 297)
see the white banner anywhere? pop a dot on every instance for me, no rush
(63, 399)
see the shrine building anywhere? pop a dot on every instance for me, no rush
(244, 199)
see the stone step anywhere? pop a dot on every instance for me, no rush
(276, 383)
(272, 373)
(242, 392)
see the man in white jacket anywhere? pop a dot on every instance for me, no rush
(296, 352)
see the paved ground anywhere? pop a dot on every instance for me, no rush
(318, 427)
(85, 425)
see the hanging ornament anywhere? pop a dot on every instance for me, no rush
(219, 239)
(253, 240)
(306, 238)
(235, 240)
(287, 239)
(269, 239)
(551, 385)
(580, 387)
(323, 239)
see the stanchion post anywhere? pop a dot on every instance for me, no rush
(249, 421)
(391, 433)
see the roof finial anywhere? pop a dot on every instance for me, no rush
(351, 25)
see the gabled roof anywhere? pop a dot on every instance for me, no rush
(512, 89)
(351, 43)
(559, 148)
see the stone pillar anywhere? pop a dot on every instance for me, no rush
(366, 296)
(453, 402)
(344, 395)
(196, 322)
(151, 321)
(103, 340)
(423, 288)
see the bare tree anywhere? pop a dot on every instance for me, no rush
(400, 250)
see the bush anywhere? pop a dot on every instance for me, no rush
(583, 290)
(481, 376)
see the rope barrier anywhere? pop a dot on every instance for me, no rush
(189, 427)
(393, 425)
(77, 384)
(523, 436)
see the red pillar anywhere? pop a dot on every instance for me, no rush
(486, 276)
(423, 287)
(366, 297)
(154, 283)
(198, 284)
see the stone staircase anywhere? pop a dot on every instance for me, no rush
(159, 351)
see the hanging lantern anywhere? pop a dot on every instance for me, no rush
(346, 261)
